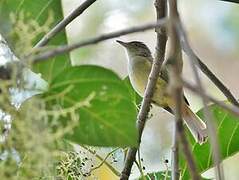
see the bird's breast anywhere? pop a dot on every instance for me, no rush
(139, 71)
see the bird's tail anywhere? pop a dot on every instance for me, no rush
(196, 126)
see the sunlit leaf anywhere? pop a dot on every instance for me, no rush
(100, 100)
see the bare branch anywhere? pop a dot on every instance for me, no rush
(161, 11)
(145, 106)
(175, 71)
(175, 153)
(67, 48)
(62, 24)
(211, 127)
(182, 137)
(175, 57)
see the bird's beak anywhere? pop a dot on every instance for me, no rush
(122, 43)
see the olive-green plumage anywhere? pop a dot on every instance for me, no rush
(139, 67)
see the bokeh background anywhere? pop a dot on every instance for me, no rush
(213, 30)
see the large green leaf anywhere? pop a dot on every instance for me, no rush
(33, 12)
(228, 135)
(104, 105)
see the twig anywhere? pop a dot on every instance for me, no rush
(203, 67)
(211, 127)
(231, 108)
(140, 170)
(103, 161)
(175, 66)
(100, 158)
(145, 107)
(175, 158)
(140, 165)
(67, 48)
(129, 161)
(62, 24)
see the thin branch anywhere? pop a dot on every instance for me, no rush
(67, 48)
(129, 161)
(103, 161)
(145, 107)
(175, 58)
(182, 137)
(203, 67)
(174, 61)
(62, 24)
(140, 165)
(175, 153)
(161, 11)
(231, 108)
(211, 127)
(140, 170)
(175, 71)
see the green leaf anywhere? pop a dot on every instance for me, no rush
(30, 17)
(102, 102)
(228, 135)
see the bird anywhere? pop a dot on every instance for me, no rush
(140, 61)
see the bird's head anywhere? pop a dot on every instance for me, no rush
(136, 48)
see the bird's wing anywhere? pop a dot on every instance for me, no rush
(165, 77)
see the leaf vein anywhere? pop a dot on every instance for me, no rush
(230, 140)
